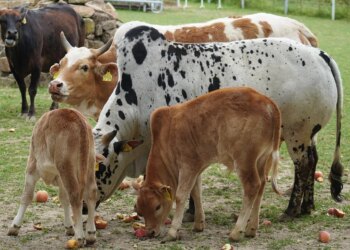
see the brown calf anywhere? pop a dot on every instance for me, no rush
(62, 154)
(237, 127)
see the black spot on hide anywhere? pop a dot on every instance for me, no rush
(140, 30)
(139, 52)
(214, 85)
(126, 84)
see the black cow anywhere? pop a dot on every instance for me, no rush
(32, 40)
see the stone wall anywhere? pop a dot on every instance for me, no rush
(100, 19)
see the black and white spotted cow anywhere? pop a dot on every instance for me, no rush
(304, 81)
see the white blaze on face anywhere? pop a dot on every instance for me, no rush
(76, 54)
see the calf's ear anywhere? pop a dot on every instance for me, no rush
(108, 72)
(166, 191)
(54, 69)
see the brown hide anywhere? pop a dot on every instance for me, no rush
(237, 127)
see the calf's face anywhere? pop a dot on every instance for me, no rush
(154, 204)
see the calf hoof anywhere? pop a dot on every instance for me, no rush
(198, 227)
(172, 235)
(13, 231)
(188, 217)
(235, 235)
(91, 238)
(251, 232)
(70, 231)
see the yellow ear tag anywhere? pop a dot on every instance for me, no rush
(24, 20)
(126, 148)
(55, 75)
(97, 167)
(107, 77)
(167, 195)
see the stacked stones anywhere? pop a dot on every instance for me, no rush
(100, 19)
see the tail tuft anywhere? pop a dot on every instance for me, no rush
(336, 182)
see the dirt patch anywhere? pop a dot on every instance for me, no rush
(222, 199)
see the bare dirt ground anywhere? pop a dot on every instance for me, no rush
(220, 203)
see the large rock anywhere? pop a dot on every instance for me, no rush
(104, 7)
(4, 65)
(109, 25)
(78, 1)
(89, 26)
(83, 11)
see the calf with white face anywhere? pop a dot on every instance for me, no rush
(153, 72)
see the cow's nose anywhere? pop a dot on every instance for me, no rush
(55, 86)
(12, 32)
(151, 233)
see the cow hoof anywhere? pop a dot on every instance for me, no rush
(188, 217)
(70, 231)
(91, 238)
(13, 231)
(31, 118)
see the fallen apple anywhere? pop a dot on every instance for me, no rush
(138, 225)
(339, 213)
(324, 236)
(318, 174)
(41, 196)
(100, 223)
(140, 232)
(331, 211)
(167, 221)
(267, 223)
(227, 246)
(38, 226)
(72, 244)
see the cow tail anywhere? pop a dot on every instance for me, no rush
(276, 145)
(337, 168)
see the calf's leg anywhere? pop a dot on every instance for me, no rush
(199, 217)
(90, 196)
(66, 207)
(251, 185)
(32, 176)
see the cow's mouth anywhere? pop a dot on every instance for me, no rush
(57, 97)
(10, 42)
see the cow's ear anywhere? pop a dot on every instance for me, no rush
(126, 146)
(108, 72)
(54, 69)
(99, 158)
(166, 192)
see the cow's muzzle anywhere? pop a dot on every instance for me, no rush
(55, 88)
(11, 38)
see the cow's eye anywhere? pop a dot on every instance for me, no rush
(158, 207)
(85, 68)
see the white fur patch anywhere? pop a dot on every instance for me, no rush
(275, 155)
(76, 54)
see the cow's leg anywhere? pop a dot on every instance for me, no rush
(34, 80)
(253, 222)
(199, 217)
(64, 199)
(189, 214)
(185, 186)
(299, 151)
(90, 196)
(251, 183)
(23, 89)
(32, 176)
(308, 199)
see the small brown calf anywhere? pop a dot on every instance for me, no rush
(62, 154)
(237, 127)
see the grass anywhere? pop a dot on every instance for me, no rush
(221, 189)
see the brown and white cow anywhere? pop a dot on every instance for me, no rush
(62, 154)
(237, 127)
(81, 84)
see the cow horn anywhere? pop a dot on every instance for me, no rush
(66, 45)
(104, 48)
(107, 138)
